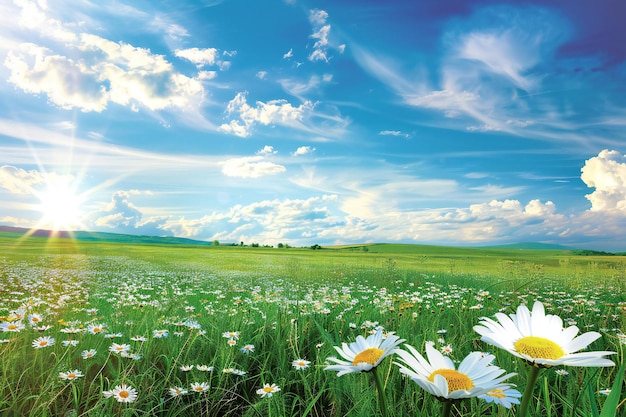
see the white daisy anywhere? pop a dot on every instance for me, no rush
(540, 338)
(504, 396)
(363, 355)
(300, 364)
(122, 393)
(267, 390)
(439, 377)
(70, 375)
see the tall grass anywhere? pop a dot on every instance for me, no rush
(289, 305)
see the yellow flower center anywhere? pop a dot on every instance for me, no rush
(97, 329)
(496, 393)
(43, 343)
(12, 326)
(71, 375)
(370, 356)
(538, 347)
(124, 394)
(456, 380)
(197, 388)
(268, 389)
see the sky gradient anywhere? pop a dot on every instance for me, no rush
(317, 122)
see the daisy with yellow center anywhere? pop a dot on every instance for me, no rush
(504, 396)
(439, 377)
(42, 342)
(363, 355)
(540, 338)
(70, 375)
(267, 390)
(122, 393)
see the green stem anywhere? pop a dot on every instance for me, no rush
(528, 392)
(380, 387)
(446, 408)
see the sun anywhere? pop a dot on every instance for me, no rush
(60, 205)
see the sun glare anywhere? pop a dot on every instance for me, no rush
(60, 206)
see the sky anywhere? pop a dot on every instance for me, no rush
(317, 122)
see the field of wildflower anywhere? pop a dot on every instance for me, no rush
(101, 329)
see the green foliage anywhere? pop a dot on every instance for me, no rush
(288, 304)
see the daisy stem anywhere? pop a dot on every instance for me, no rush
(380, 387)
(446, 407)
(528, 391)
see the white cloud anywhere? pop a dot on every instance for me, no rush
(607, 174)
(452, 103)
(250, 167)
(87, 72)
(267, 150)
(393, 133)
(321, 32)
(20, 181)
(303, 150)
(261, 75)
(278, 112)
(199, 57)
(289, 54)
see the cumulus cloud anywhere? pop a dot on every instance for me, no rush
(250, 167)
(607, 174)
(303, 150)
(92, 71)
(199, 57)
(320, 34)
(18, 180)
(278, 112)
(267, 150)
(122, 216)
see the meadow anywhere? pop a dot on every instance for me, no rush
(190, 330)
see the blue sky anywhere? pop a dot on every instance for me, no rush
(302, 122)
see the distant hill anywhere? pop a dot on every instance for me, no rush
(103, 236)
(532, 246)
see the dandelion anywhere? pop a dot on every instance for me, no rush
(86, 354)
(177, 391)
(247, 349)
(267, 390)
(70, 375)
(504, 396)
(300, 364)
(200, 387)
(122, 393)
(42, 342)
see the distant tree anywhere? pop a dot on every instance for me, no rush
(241, 244)
(255, 245)
(365, 249)
(216, 243)
(280, 246)
(316, 247)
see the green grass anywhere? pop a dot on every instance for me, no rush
(288, 303)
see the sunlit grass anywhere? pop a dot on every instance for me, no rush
(288, 304)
